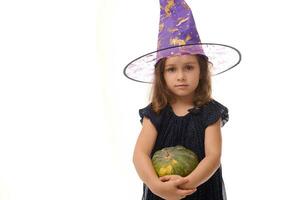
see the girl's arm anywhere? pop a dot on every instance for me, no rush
(142, 151)
(145, 170)
(208, 166)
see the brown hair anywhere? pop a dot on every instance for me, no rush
(161, 96)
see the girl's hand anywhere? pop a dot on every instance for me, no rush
(175, 177)
(170, 189)
(169, 178)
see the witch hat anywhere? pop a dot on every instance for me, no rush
(178, 35)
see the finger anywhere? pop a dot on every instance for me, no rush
(181, 181)
(186, 192)
(164, 178)
(191, 192)
(175, 176)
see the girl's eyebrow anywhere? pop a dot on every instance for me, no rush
(185, 63)
(190, 62)
(170, 65)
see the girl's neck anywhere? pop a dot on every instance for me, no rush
(182, 102)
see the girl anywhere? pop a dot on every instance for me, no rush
(182, 112)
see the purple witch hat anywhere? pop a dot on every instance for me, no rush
(178, 36)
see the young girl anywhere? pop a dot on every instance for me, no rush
(182, 112)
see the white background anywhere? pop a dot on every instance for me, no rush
(69, 118)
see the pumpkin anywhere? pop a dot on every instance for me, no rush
(176, 160)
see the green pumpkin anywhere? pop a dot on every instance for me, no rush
(176, 160)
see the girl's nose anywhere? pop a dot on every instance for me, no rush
(180, 76)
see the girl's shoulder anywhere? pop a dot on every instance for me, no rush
(211, 111)
(154, 117)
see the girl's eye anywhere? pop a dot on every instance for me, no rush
(171, 69)
(189, 67)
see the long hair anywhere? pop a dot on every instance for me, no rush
(161, 96)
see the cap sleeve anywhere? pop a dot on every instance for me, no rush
(214, 111)
(149, 113)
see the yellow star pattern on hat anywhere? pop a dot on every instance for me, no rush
(170, 4)
(177, 41)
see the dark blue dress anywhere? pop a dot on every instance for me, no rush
(189, 131)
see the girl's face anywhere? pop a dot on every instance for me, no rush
(182, 75)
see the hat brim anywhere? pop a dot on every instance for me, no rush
(222, 58)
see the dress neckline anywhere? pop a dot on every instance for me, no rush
(179, 116)
(194, 110)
